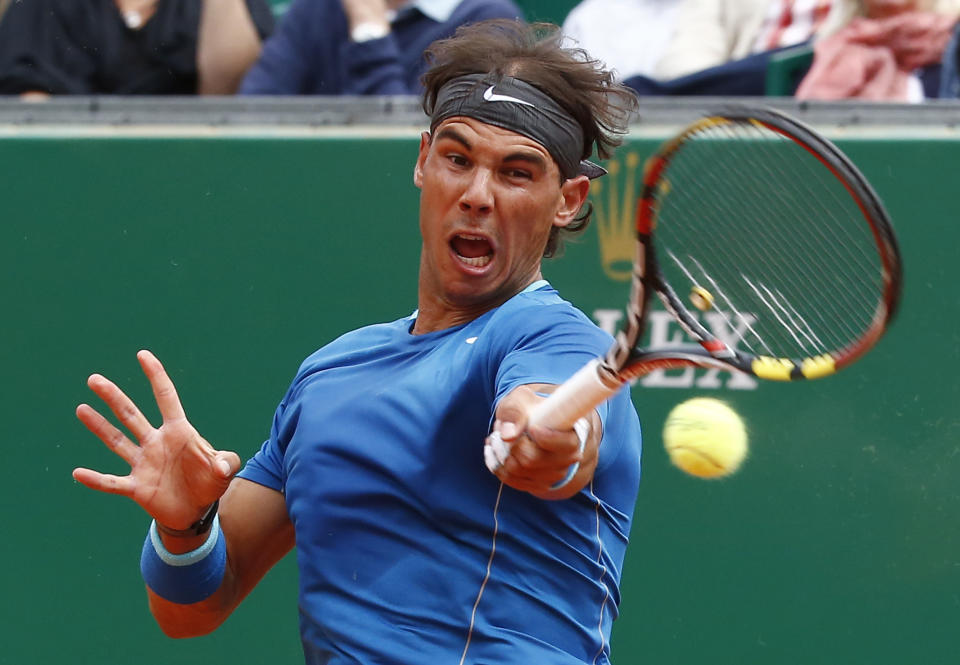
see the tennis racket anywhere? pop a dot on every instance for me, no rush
(749, 218)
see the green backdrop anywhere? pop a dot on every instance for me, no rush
(233, 258)
(534, 10)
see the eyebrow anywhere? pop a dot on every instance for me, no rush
(530, 157)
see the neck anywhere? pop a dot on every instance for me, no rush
(438, 310)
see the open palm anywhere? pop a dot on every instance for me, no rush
(175, 474)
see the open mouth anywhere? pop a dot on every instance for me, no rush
(473, 250)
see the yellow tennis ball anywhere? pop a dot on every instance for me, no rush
(704, 437)
(701, 298)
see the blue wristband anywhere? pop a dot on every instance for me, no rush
(184, 578)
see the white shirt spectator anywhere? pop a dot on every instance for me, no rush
(628, 36)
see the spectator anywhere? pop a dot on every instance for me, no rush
(711, 33)
(949, 85)
(129, 47)
(891, 53)
(588, 24)
(360, 47)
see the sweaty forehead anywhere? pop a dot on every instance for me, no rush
(478, 135)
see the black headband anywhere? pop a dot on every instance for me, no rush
(516, 105)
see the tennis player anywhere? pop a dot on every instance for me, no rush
(431, 524)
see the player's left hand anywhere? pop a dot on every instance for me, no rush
(535, 459)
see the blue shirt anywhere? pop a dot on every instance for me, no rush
(311, 53)
(409, 549)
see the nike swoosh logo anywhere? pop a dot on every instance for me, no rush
(491, 96)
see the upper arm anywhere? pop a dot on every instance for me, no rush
(258, 532)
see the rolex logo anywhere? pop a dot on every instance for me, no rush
(614, 204)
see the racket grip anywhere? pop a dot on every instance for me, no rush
(573, 399)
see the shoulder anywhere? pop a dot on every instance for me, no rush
(486, 9)
(345, 348)
(542, 320)
(550, 308)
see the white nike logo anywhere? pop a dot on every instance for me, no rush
(491, 96)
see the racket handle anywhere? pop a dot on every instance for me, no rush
(573, 399)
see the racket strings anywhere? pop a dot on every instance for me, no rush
(728, 209)
(839, 242)
(774, 237)
(853, 239)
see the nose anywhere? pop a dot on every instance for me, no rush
(477, 196)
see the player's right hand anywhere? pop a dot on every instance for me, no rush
(174, 473)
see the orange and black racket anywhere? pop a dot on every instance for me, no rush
(751, 216)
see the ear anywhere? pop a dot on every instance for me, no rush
(421, 158)
(573, 194)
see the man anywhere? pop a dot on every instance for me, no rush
(130, 47)
(710, 33)
(410, 550)
(360, 47)
(588, 24)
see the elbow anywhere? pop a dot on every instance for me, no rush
(182, 631)
(223, 73)
(185, 621)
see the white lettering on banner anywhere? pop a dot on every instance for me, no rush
(663, 330)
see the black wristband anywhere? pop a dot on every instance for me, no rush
(198, 528)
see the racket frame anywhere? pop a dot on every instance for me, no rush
(623, 363)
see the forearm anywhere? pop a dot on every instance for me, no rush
(227, 45)
(256, 533)
(196, 619)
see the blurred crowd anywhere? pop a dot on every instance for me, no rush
(884, 50)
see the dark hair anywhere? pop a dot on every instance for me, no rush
(535, 54)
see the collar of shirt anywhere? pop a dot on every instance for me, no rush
(438, 10)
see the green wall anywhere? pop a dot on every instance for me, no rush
(233, 258)
(534, 10)
(546, 10)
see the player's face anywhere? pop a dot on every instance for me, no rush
(489, 198)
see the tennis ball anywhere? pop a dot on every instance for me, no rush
(704, 437)
(701, 298)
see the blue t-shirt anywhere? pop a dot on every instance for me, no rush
(410, 551)
(311, 52)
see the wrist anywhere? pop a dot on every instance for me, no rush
(184, 578)
(365, 31)
(198, 528)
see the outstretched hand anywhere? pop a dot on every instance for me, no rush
(174, 473)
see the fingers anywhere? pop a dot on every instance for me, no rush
(163, 389)
(114, 439)
(104, 482)
(121, 405)
(226, 463)
(533, 460)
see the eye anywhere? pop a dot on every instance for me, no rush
(457, 159)
(517, 174)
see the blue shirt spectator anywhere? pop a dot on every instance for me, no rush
(312, 51)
